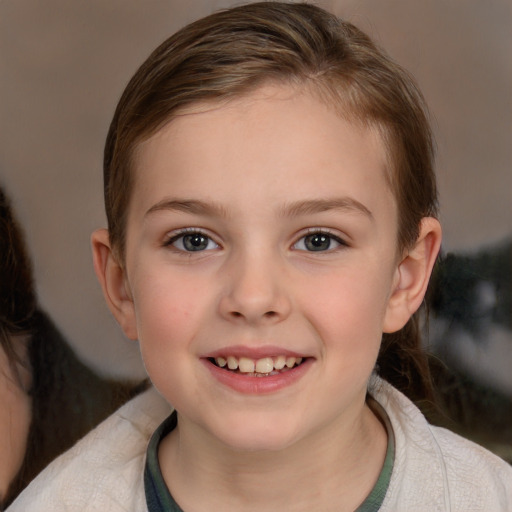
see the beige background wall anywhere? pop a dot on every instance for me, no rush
(63, 64)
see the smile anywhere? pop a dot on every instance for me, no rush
(257, 371)
(263, 367)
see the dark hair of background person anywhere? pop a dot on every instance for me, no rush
(68, 398)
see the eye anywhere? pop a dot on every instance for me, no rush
(192, 241)
(318, 242)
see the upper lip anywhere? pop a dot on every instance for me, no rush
(253, 352)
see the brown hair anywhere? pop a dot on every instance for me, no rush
(231, 53)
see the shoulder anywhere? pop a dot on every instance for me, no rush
(103, 471)
(436, 469)
(477, 479)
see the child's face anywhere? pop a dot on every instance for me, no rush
(261, 229)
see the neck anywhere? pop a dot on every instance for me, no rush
(333, 469)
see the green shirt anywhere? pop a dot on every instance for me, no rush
(159, 499)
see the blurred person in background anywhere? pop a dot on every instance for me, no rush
(48, 398)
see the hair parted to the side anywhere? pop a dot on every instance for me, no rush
(231, 53)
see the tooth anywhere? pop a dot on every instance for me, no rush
(279, 362)
(290, 362)
(220, 361)
(265, 365)
(232, 363)
(299, 360)
(246, 365)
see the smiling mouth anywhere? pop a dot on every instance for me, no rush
(263, 367)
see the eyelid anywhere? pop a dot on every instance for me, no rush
(176, 234)
(335, 235)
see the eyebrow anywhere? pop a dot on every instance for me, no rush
(306, 207)
(192, 206)
(323, 205)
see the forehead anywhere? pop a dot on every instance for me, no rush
(273, 140)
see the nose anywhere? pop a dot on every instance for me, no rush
(255, 291)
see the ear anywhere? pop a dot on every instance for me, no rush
(112, 277)
(412, 276)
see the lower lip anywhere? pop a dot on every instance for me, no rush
(251, 385)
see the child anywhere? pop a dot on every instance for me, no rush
(271, 205)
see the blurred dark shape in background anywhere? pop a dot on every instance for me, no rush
(67, 398)
(470, 311)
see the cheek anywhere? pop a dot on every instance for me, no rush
(348, 310)
(358, 296)
(169, 310)
(162, 316)
(162, 293)
(165, 333)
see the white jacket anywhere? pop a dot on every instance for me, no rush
(434, 469)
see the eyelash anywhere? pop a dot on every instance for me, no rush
(172, 239)
(312, 232)
(326, 236)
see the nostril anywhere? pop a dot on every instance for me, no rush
(268, 314)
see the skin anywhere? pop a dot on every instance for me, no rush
(14, 421)
(256, 176)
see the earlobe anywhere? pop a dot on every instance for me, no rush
(112, 278)
(412, 276)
